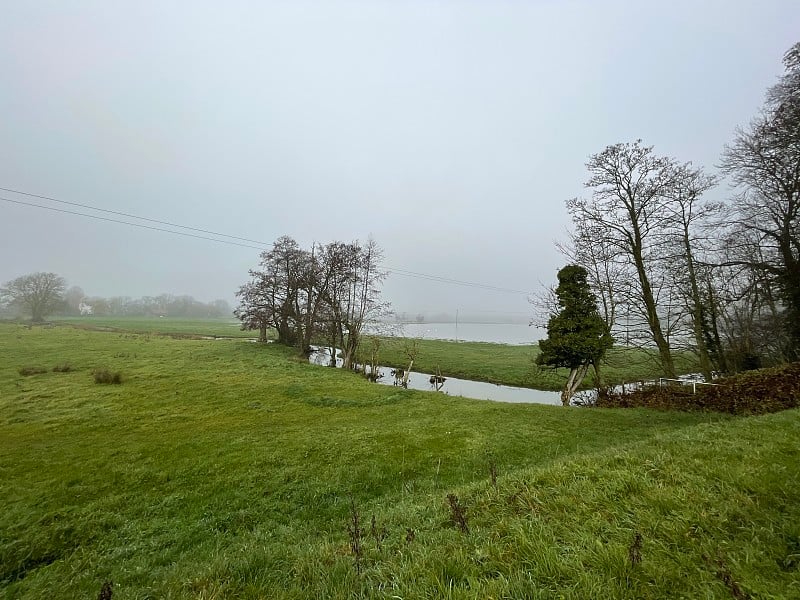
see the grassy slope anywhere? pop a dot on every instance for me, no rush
(224, 469)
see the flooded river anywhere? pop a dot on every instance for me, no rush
(499, 333)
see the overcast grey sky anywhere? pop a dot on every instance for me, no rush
(452, 132)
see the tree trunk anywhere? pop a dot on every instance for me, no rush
(408, 371)
(350, 349)
(652, 314)
(791, 296)
(697, 312)
(576, 375)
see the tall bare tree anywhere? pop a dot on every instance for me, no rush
(764, 164)
(630, 187)
(685, 228)
(364, 304)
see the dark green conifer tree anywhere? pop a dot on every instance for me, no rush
(577, 336)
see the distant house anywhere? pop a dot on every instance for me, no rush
(85, 309)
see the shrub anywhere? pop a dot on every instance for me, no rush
(752, 392)
(26, 371)
(106, 376)
(65, 368)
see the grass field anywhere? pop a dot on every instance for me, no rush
(223, 327)
(479, 361)
(225, 469)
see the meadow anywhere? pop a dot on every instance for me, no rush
(479, 361)
(227, 469)
(221, 327)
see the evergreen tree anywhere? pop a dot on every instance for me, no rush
(577, 336)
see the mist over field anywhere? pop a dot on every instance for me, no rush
(373, 299)
(450, 132)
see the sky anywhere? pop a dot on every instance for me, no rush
(450, 132)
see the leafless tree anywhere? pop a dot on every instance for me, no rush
(624, 216)
(253, 310)
(685, 236)
(764, 164)
(331, 292)
(364, 305)
(273, 296)
(37, 294)
(745, 316)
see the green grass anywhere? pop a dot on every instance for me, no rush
(479, 361)
(514, 365)
(225, 469)
(222, 327)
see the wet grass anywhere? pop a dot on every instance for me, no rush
(225, 469)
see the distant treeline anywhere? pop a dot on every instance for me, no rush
(165, 305)
(40, 295)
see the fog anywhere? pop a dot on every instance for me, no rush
(451, 132)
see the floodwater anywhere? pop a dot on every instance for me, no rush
(456, 387)
(499, 333)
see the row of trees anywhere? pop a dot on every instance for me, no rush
(673, 270)
(329, 292)
(164, 305)
(39, 295)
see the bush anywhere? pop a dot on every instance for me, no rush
(26, 371)
(753, 392)
(65, 368)
(106, 376)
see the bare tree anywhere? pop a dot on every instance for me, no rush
(272, 297)
(73, 298)
(684, 233)
(337, 259)
(352, 294)
(746, 319)
(253, 310)
(630, 186)
(329, 293)
(764, 164)
(605, 265)
(364, 304)
(38, 294)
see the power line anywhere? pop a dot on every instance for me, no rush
(484, 286)
(99, 218)
(263, 245)
(123, 214)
